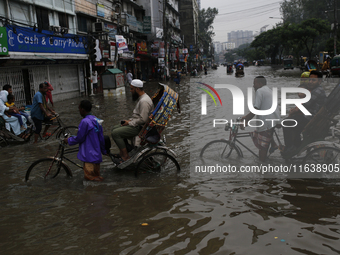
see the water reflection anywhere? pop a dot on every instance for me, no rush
(192, 214)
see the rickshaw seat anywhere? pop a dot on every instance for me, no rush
(164, 101)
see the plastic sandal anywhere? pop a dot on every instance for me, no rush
(47, 134)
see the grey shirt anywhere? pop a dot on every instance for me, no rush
(142, 111)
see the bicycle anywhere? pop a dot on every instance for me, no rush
(148, 158)
(318, 152)
(50, 167)
(60, 129)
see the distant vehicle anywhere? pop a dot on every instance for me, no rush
(230, 69)
(239, 70)
(288, 63)
(335, 66)
(311, 65)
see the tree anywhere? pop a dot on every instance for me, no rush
(270, 42)
(206, 18)
(309, 30)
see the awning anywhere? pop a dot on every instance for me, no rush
(114, 70)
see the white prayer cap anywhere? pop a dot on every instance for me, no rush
(137, 83)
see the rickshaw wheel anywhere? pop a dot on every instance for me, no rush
(323, 155)
(158, 162)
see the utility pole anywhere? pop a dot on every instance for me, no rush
(335, 26)
(165, 35)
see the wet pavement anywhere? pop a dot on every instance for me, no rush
(189, 214)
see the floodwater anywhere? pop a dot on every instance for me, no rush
(191, 214)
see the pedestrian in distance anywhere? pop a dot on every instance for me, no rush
(95, 82)
(129, 77)
(178, 77)
(91, 142)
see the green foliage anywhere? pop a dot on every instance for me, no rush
(292, 38)
(206, 19)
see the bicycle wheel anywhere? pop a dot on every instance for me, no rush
(218, 150)
(158, 162)
(323, 155)
(69, 130)
(45, 169)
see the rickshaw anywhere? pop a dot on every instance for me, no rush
(311, 65)
(288, 63)
(230, 69)
(239, 70)
(314, 150)
(7, 137)
(149, 154)
(335, 66)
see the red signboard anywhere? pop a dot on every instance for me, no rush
(142, 48)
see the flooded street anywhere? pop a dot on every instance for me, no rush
(194, 213)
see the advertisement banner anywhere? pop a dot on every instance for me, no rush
(147, 24)
(113, 51)
(3, 41)
(142, 48)
(159, 32)
(100, 10)
(106, 53)
(111, 29)
(119, 80)
(122, 45)
(161, 62)
(161, 50)
(28, 40)
(131, 21)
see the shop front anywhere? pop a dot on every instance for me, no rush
(34, 57)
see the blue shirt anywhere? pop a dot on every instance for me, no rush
(36, 112)
(91, 140)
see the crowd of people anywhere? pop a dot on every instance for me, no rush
(20, 122)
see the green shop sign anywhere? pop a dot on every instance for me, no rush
(3, 41)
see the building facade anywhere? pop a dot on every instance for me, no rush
(52, 40)
(240, 37)
(189, 10)
(42, 46)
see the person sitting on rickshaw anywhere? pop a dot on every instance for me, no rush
(326, 65)
(130, 128)
(291, 133)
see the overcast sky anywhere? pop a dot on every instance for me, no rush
(242, 15)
